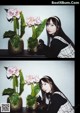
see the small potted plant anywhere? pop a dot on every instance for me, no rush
(37, 28)
(31, 99)
(14, 93)
(15, 44)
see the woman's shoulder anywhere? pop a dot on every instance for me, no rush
(59, 42)
(57, 98)
(58, 95)
(61, 39)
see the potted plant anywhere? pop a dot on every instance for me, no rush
(37, 28)
(14, 94)
(15, 44)
(31, 99)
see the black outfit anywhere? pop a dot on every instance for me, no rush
(58, 103)
(54, 49)
(55, 103)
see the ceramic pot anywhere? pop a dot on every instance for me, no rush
(32, 51)
(34, 107)
(16, 107)
(18, 50)
(32, 45)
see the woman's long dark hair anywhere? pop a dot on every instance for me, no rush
(56, 21)
(50, 81)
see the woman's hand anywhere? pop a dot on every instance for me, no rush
(41, 42)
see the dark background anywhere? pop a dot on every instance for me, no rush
(31, 2)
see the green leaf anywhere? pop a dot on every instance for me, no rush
(34, 32)
(36, 89)
(15, 24)
(15, 82)
(32, 90)
(23, 25)
(39, 29)
(22, 82)
(9, 34)
(8, 91)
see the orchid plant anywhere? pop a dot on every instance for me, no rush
(37, 27)
(16, 75)
(32, 98)
(16, 16)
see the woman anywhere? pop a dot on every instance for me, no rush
(55, 100)
(59, 44)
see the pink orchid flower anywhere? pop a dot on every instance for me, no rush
(31, 21)
(38, 21)
(12, 71)
(32, 79)
(13, 13)
(36, 79)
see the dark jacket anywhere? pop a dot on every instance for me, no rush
(55, 103)
(54, 49)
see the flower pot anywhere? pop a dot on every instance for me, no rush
(34, 107)
(32, 51)
(16, 107)
(18, 50)
(32, 45)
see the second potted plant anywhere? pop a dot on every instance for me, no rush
(31, 99)
(37, 28)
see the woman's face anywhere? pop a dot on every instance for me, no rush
(46, 87)
(51, 28)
